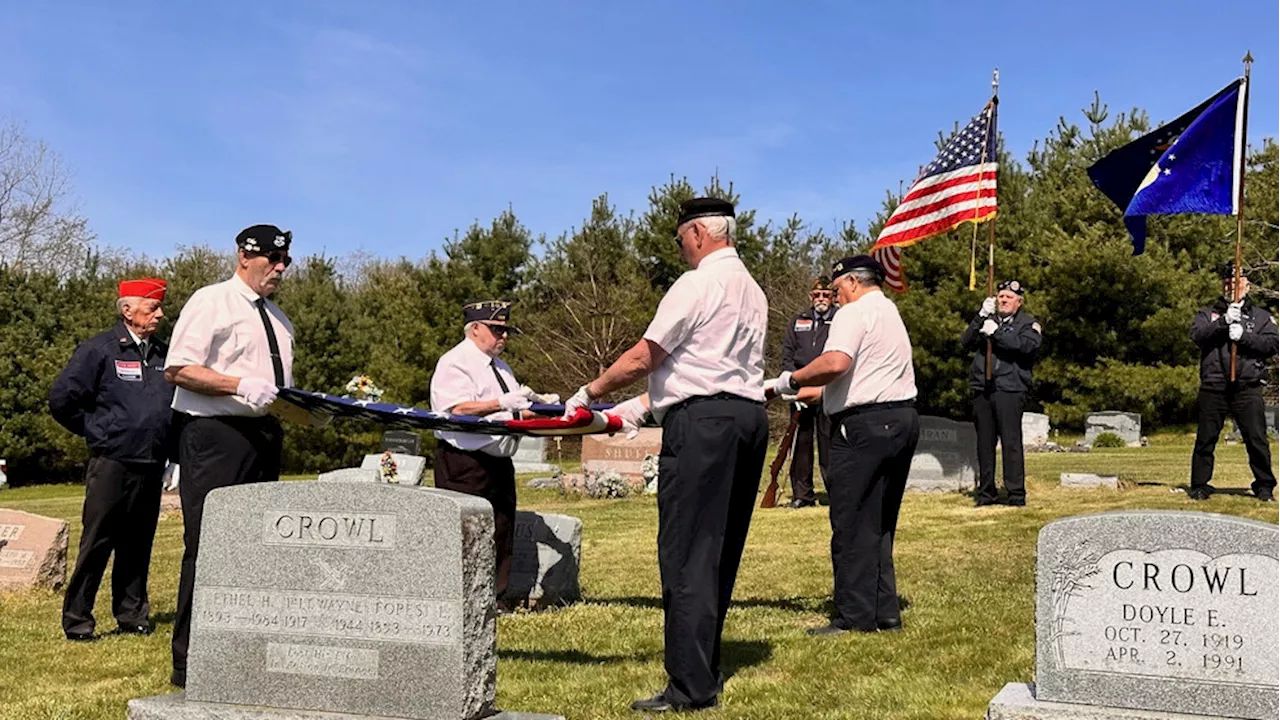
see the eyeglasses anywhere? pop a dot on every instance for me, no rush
(275, 257)
(498, 330)
(818, 294)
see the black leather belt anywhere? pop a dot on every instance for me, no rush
(872, 407)
(717, 396)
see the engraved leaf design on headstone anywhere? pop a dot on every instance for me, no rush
(330, 577)
(1070, 570)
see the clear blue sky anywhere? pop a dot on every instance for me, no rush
(382, 126)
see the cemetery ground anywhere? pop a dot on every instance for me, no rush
(967, 574)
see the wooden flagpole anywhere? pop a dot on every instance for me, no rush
(991, 224)
(1243, 141)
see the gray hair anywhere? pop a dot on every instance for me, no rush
(122, 303)
(719, 226)
(865, 277)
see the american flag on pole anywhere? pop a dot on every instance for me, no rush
(959, 186)
(890, 258)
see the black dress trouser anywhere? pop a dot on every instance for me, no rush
(1245, 405)
(121, 507)
(216, 452)
(709, 470)
(491, 478)
(998, 416)
(870, 458)
(812, 423)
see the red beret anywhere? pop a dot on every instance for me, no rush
(152, 288)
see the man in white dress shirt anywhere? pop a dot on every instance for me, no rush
(470, 379)
(231, 350)
(704, 356)
(870, 390)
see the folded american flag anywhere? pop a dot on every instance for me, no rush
(297, 405)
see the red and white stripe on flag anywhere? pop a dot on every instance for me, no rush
(959, 186)
(891, 259)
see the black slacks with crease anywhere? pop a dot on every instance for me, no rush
(1245, 405)
(709, 469)
(216, 452)
(870, 458)
(491, 478)
(812, 424)
(998, 416)
(121, 506)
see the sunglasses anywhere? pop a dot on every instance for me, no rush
(821, 293)
(275, 257)
(498, 330)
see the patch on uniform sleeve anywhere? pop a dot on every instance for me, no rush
(129, 370)
(804, 324)
(1036, 326)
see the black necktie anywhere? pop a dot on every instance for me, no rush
(493, 364)
(277, 364)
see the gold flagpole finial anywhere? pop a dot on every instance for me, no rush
(1248, 58)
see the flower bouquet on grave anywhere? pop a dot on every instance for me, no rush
(361, 387)
(387, 469)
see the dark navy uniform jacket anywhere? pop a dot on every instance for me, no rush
(805, 338)
(1014, 348)
(1256, 346)
(115, 399)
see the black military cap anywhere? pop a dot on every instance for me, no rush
(1012, 286)
(264, 239)
(493, 312)
(843, 267)
(703, 207)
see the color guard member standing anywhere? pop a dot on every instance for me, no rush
(704, 356)
(231, 350)
(113, 394)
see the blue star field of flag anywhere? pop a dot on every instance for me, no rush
(967, 146)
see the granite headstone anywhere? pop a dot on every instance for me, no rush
(1088, 480)
(1125, 424)
(35, 551)
(946, 457)
(1035, 430)
(1159, 611)
(368, 599)
(359, 474)
(408, 467)
(602, 453)
(548, 553)
(531, 456)
(404, 442)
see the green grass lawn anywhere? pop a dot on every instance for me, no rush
(968, 574)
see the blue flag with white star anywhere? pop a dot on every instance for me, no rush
(1191, 165)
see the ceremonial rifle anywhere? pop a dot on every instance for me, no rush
(770, 498)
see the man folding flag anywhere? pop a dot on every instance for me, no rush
(1191, 165)
(959, 186)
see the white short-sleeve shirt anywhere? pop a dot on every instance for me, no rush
(712, 325)
(466, 374)
(870, 331)
(220, 328)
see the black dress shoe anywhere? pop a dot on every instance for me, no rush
(984, 502)
(81, 637)
(659, 703)
(891, 625)
(179, 678)
(145, 629)
(796, 504)
(828, 629)
(1200, 493)
(1264, 495)
(1016, 502)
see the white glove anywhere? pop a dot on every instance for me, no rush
(580, 399)
(631, 413)
(169, 480)
(1235, 331)
(989, 327)
(1233, 312)
(988, 308)
(545, 398)
(514, 402)
(258, 392)
(781, 386)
